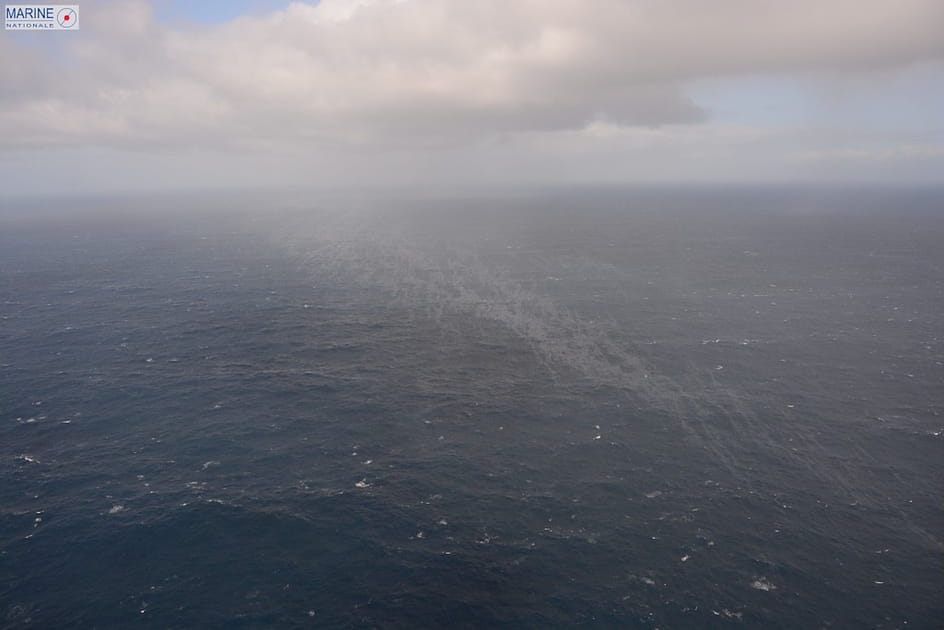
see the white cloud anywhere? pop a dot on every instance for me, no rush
(419, 73)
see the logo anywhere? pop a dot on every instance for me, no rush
(39, 17)
(67, 17)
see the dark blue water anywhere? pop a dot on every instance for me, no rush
(600, 409)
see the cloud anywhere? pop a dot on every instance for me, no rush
(363, 74)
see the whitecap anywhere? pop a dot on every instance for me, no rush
(761, 584)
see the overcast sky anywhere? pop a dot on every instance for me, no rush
(175, 94)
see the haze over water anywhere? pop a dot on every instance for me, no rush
(699, 408)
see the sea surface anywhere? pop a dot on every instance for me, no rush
(699, 408)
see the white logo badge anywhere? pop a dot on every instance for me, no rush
(41, 17)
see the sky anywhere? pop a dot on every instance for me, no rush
(177, 95)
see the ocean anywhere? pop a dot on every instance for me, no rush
(602, 408)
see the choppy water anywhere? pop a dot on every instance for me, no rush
(615, 410)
